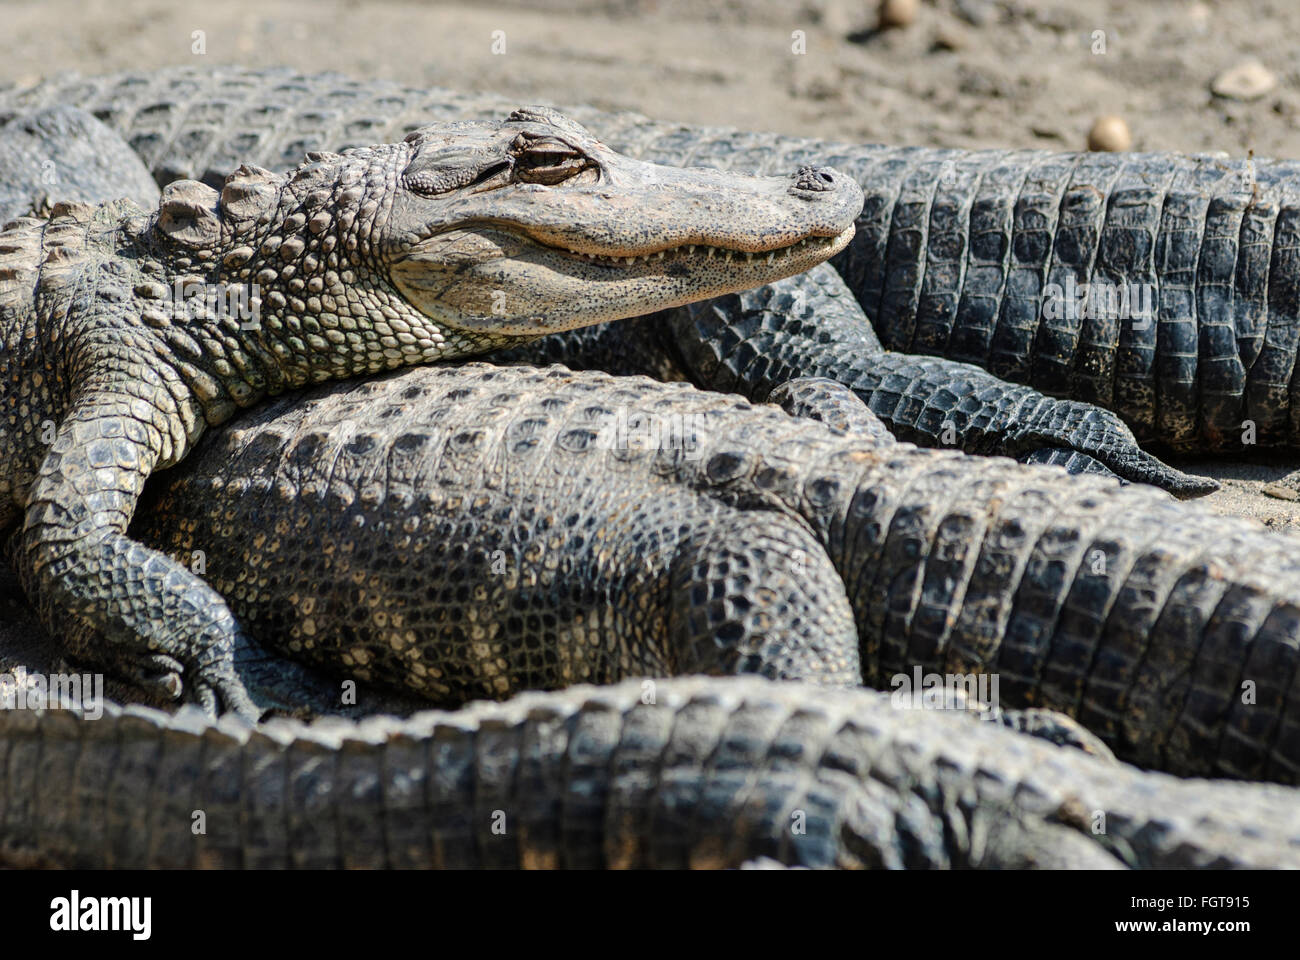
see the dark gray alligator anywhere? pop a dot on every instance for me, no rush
(480, 530)
(695, 772)
(126, 334)
(1164, 287)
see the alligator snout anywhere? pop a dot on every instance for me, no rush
(816, 179)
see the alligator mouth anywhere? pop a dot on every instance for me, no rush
(509, 283)
(494, 243)
(696, 251)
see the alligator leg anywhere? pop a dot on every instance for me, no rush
(756, 593)
(73, 557)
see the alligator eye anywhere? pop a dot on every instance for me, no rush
(547, 160)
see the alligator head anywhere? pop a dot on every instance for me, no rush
(471, 236)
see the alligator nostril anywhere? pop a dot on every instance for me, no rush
(815, 178)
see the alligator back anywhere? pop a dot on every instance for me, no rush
(481, 516)
(696, 772)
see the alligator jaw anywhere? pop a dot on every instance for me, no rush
(499, 282)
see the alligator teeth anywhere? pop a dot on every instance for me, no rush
(711, 252)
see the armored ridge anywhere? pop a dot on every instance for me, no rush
(459, 239)
(700, 772)
(477, 530)
(1021, 261)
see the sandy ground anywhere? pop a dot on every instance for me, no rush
(972, 73)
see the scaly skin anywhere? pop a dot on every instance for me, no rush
(697, 772)
(66, 154)
(838, 341)
(810, 326)
(475, 530)
(953, 252)
(461, 238)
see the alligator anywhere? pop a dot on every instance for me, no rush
(126, 335)
(703, 772)
(1161, 286)
(1002, 821)
(481, 530)
(929, 819)
(970, 409)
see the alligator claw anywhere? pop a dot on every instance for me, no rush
(158, 674)
(220, 690)
(1104, 437)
